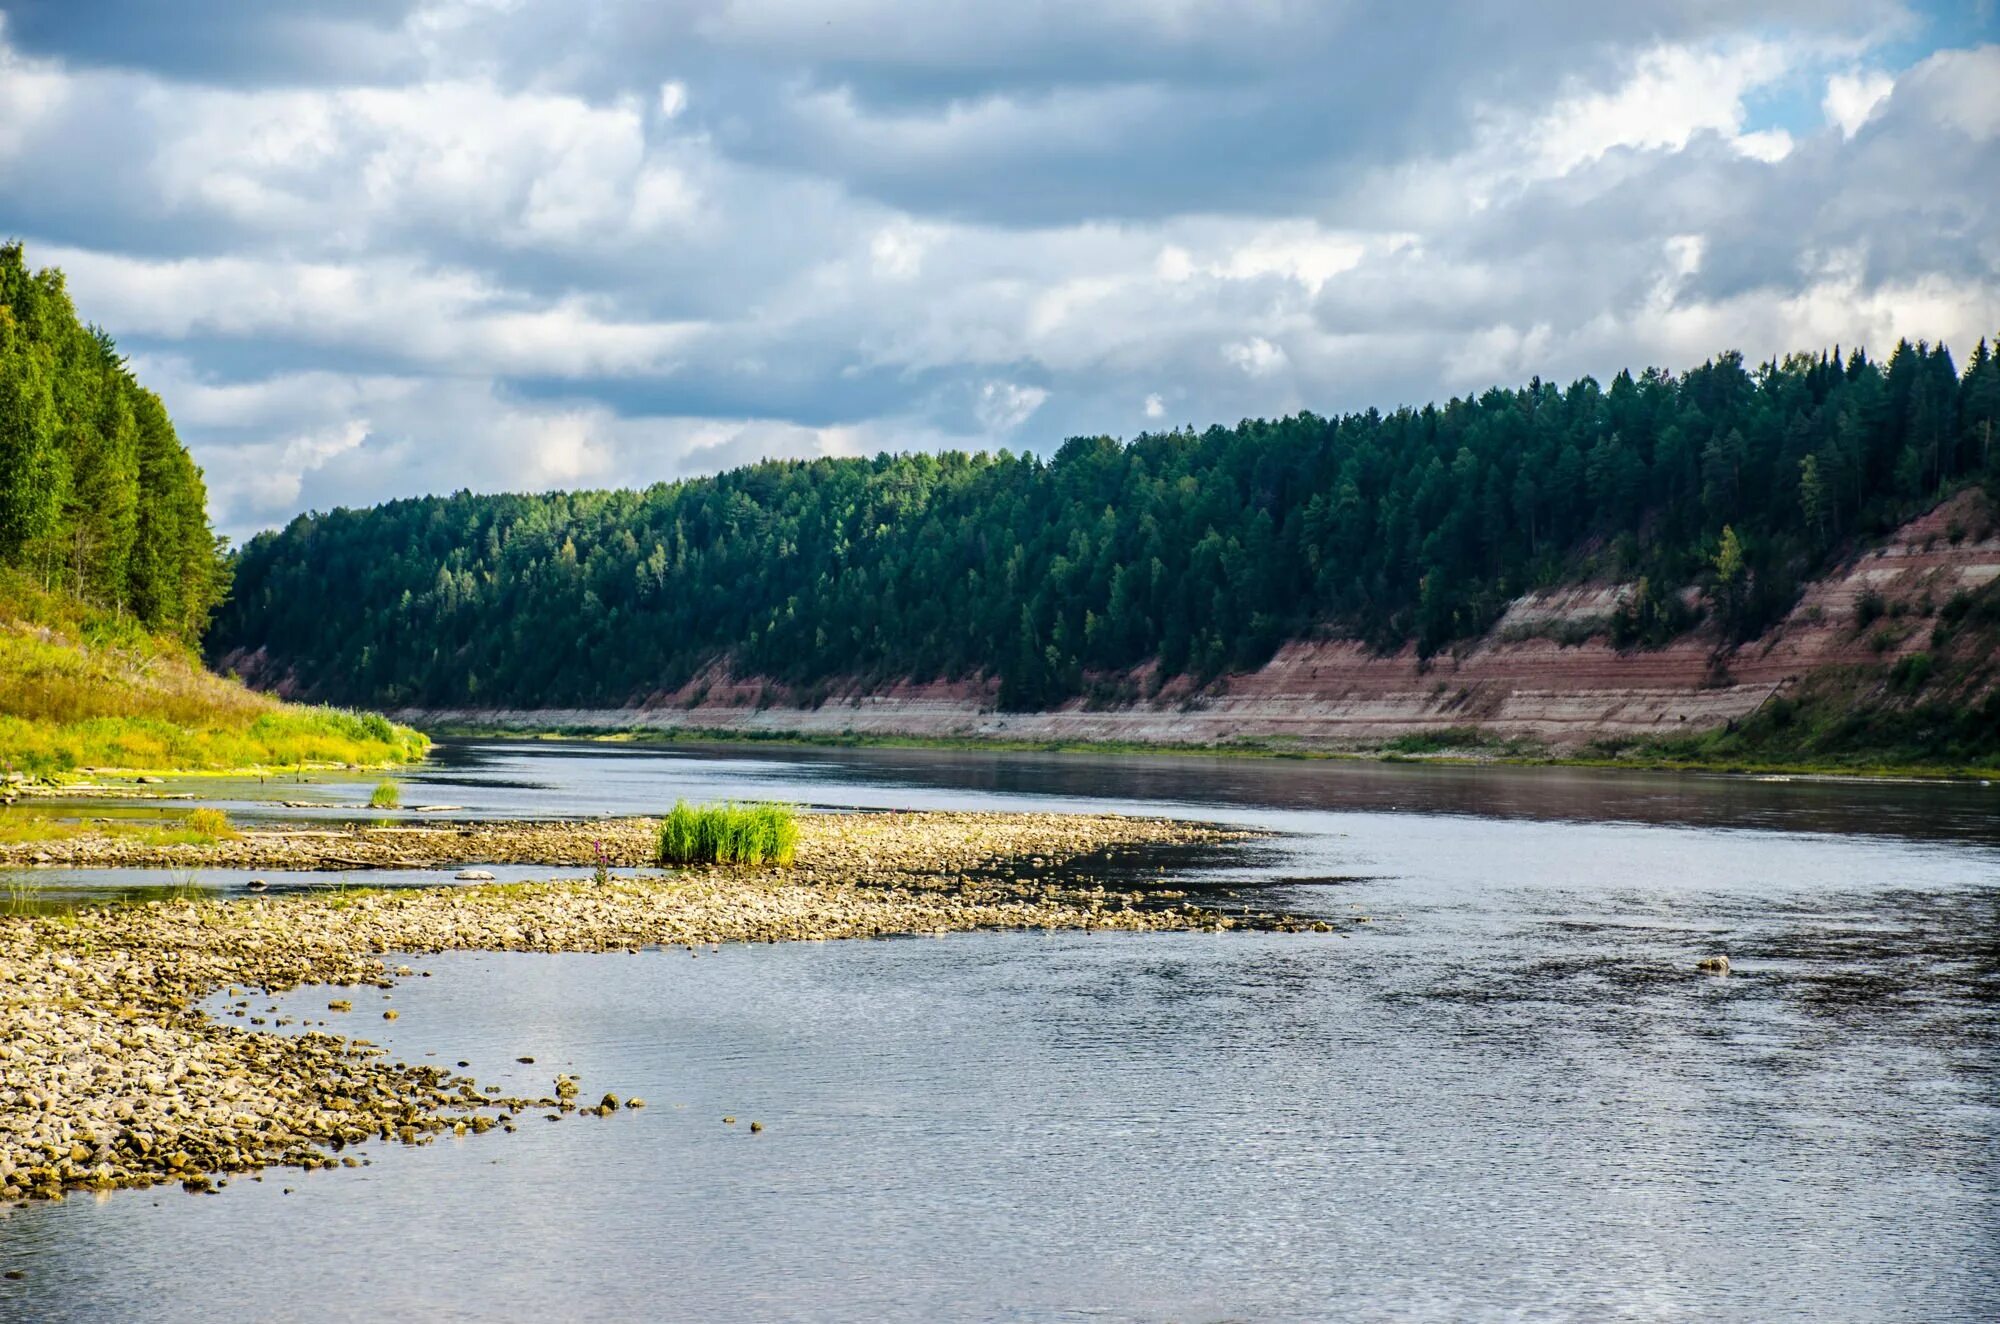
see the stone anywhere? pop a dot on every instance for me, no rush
(1713, 965)
(104, 994)
(473, 876)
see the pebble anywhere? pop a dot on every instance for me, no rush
(111, 1075)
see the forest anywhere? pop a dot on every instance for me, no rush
(1202, 551)
(98, 498)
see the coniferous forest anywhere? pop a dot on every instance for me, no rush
(1203, 550)
(98, 498)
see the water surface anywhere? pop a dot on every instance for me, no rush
(1505, 1096)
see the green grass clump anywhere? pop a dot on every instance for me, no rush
(729, 834)
(211, 823)
(386, 795)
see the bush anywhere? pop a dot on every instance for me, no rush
(1911, 673)
(387, 795)
(211, 823)
(750, 835)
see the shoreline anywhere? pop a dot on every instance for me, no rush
(112, 1076)
(1466, 757)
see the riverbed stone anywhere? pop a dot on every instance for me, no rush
(111, 1075)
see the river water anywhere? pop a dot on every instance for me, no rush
(1506, 1096)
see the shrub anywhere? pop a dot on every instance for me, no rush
(1911, 673)
(387, 795)
(750, 835)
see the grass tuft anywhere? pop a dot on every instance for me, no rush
(751, 835)
(386, 795)
(211, 823)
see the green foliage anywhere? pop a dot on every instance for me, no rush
(751, 835)
(1198, 552)
(98, 498)
(1648, 618)
(211, 823)
(386, 795)
(1911, 673)
(82, 686)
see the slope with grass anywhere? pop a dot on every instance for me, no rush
(85, 687)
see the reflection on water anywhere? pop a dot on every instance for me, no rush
(1505, 1095)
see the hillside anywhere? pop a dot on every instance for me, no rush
(109, 572)
(82, 688)
(1892, 659)
(1694, 515)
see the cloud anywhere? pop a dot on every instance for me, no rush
(400, 247)
(1004, 406)
(1852, 97)
(1257, 357)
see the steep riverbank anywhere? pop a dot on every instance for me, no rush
(1904, 636)
(111, 1076)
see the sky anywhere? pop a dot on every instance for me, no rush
(386, 247)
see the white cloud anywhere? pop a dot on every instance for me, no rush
(1766, 145)
(1155, 407)
(271, 476)
(1852, 97)
(1674, 92)
(673, 99)
(897, 252)
(31, 92)
(1004, 406)
(1257, 357)
(454, 320)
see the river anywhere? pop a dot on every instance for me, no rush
(1508, 1095)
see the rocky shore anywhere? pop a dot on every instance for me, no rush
(111, 1075)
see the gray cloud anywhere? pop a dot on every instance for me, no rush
(367, 250)
(236, 41)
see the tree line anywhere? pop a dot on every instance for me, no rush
(1201, 551)
(98, 498)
